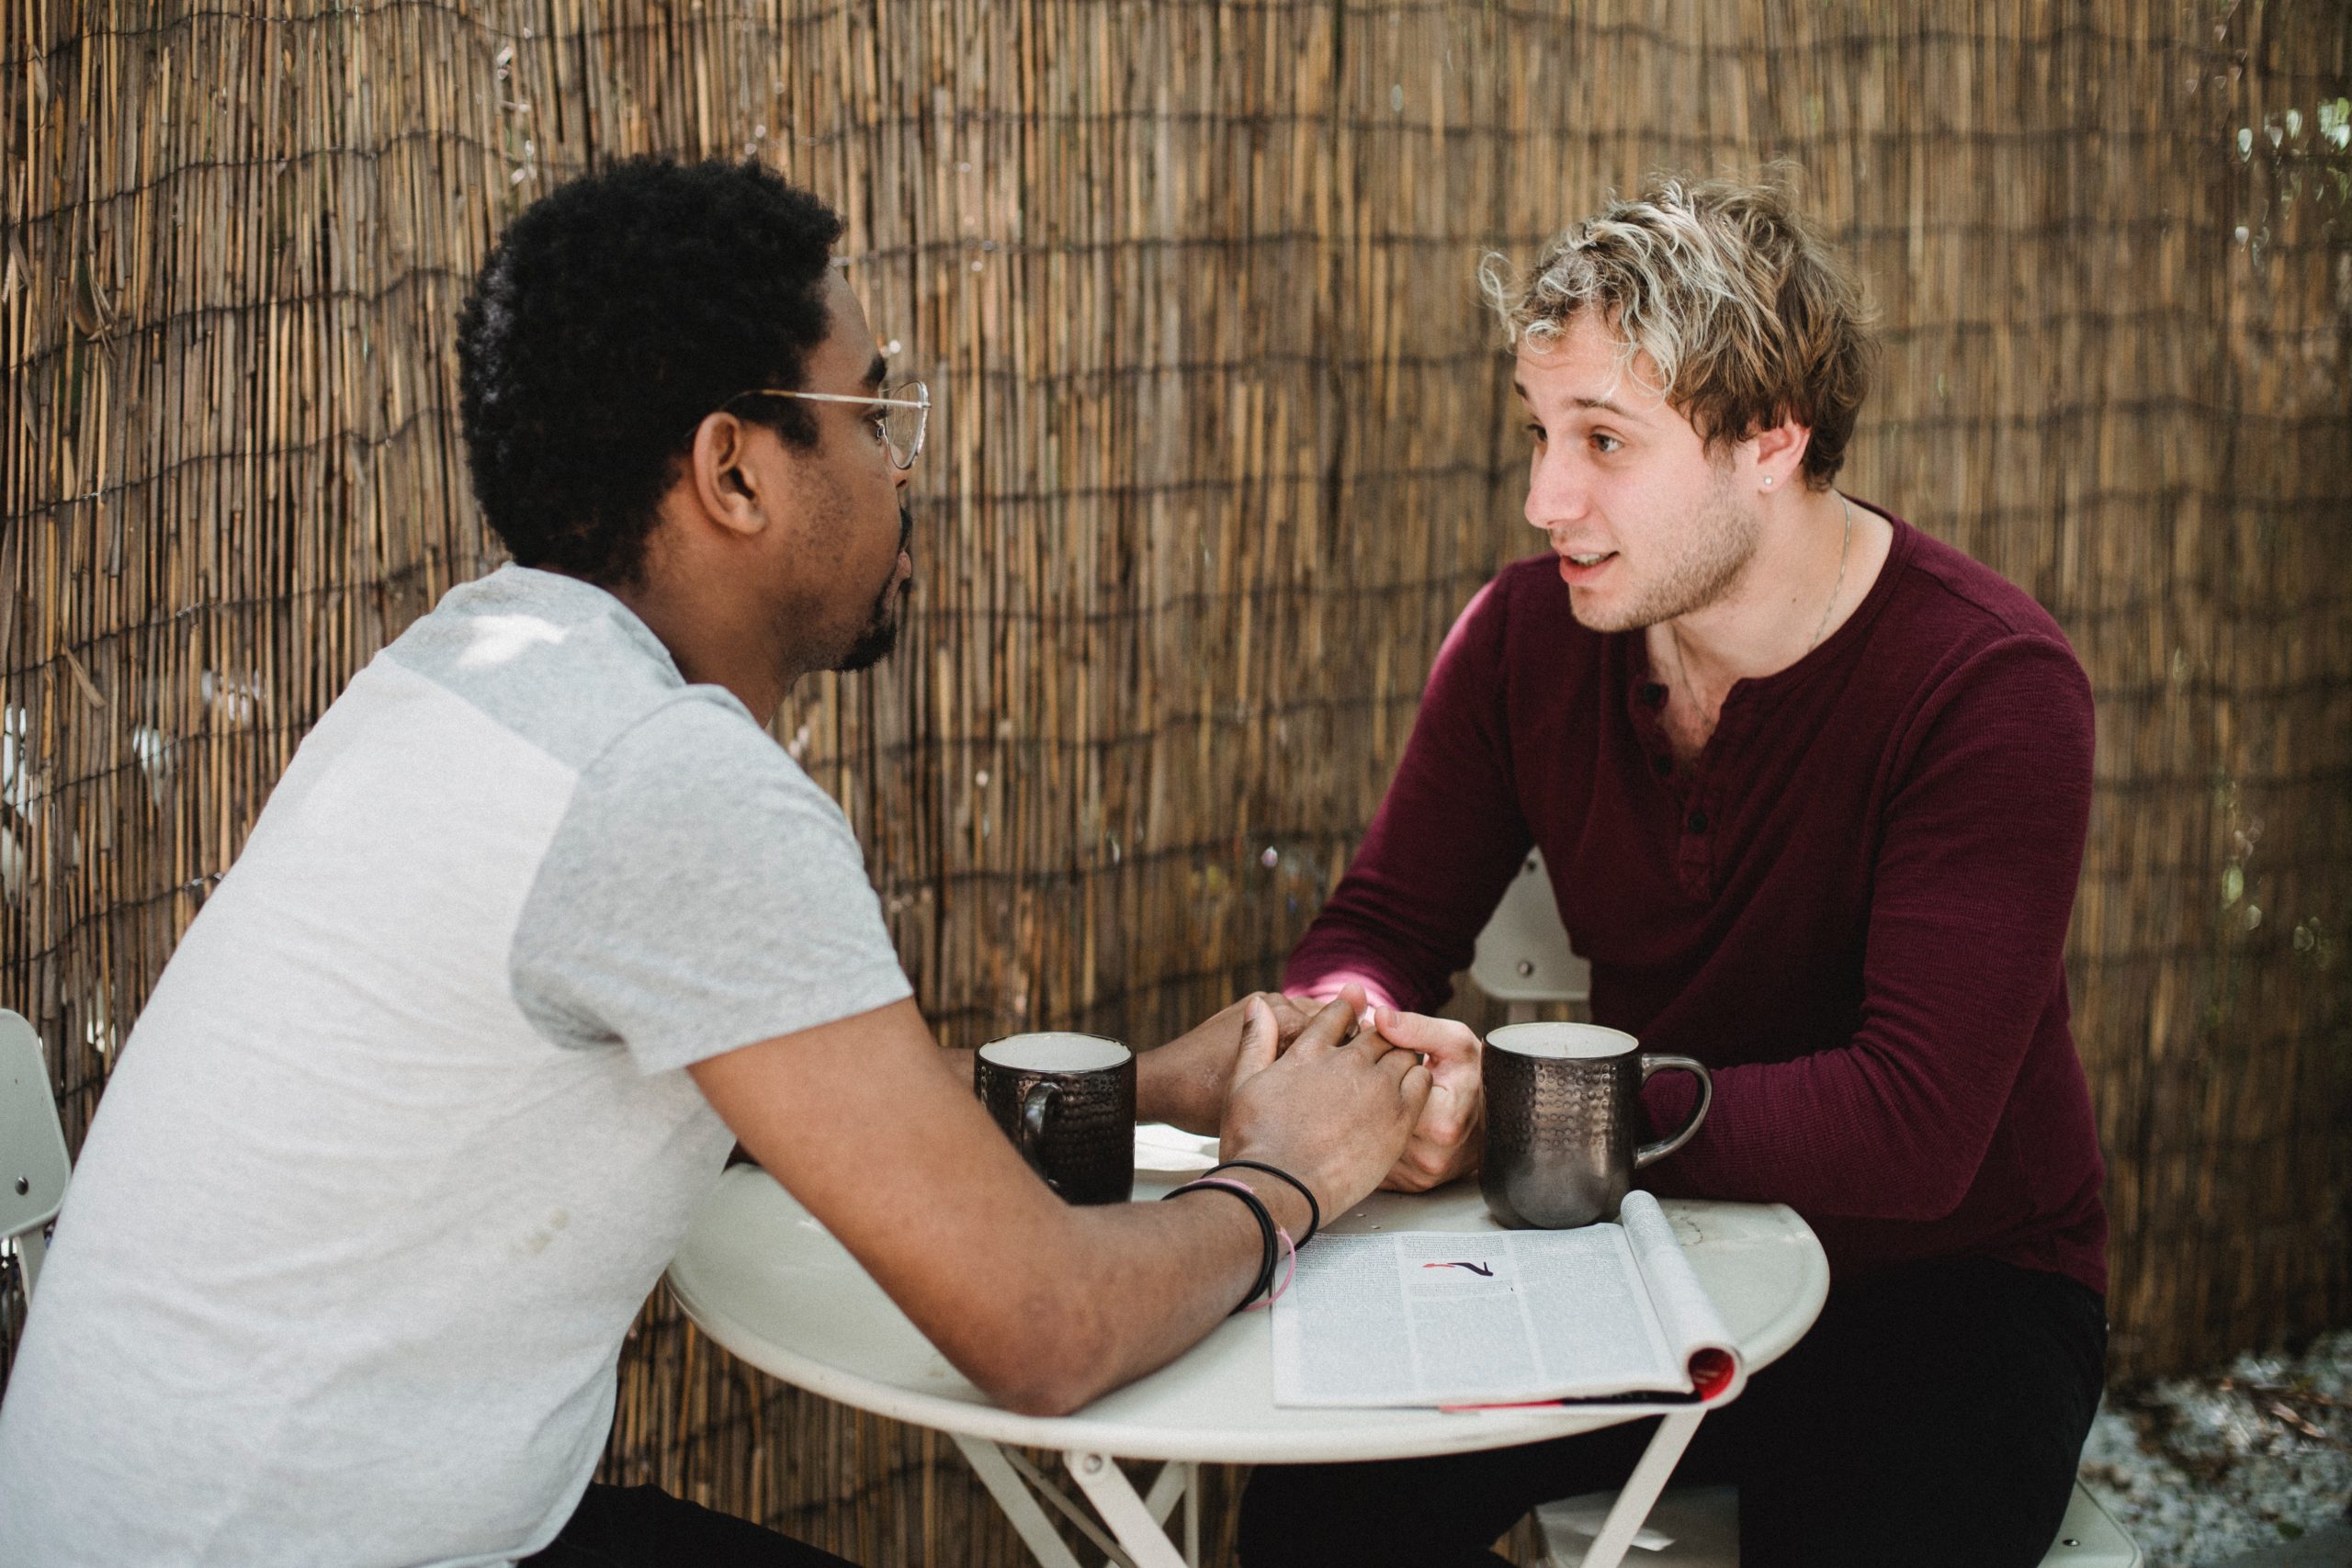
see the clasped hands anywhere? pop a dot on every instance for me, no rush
(1188, 1081)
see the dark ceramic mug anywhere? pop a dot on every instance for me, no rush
(1067, 1101)
(1562, 1107)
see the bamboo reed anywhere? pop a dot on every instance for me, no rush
(1222, 444)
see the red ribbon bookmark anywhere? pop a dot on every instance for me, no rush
(1710, 1373)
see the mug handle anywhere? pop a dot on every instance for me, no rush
(1665, 1146)
(1038, 1107)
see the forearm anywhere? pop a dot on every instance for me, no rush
(1832, 1133)
(1895, 1121)
(1194, 1257)
(1041, 1304)
(1324, 1118)
(1393, 926)
(1448, 836)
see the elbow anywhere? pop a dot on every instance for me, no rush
(1928, 1196)
(1912, 1164)
(1916, 1209)
(1046, 1396)
(1041, 1384)
(1947, 1172)
(1048, 1358)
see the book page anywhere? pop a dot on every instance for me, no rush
(1468, 1318)
(1593, 1323)
(1686, 1312)
(1342, 1335)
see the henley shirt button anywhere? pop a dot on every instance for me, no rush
(1698, 822)
(1653, 694)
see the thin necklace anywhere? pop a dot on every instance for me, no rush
(1674, 632)
(1682, 668)
(1843, 546)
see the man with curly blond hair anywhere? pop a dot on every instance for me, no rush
(1812, 787)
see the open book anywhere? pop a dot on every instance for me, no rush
(1608, 1312)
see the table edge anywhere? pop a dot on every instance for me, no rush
(1429, 1432)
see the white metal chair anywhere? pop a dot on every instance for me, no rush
(1524, 960)
(1698, 1527)
(33, 1166)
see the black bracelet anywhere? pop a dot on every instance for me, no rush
(1314, 1209)
(1258, 1210)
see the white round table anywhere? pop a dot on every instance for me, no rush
(759, 1276)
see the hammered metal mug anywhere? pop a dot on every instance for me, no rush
(1067, 1101)
(1562, 1105)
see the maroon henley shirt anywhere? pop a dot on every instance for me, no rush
(1852, 908)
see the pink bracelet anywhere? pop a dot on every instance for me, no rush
(1290, 1256)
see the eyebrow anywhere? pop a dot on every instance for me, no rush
(874, 372)
(1603, 404)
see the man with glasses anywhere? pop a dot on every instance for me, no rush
(539, 922)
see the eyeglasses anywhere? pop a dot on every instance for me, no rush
(901, 411)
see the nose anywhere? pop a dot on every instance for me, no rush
(1555, 493)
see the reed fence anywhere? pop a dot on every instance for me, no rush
(1223, 442)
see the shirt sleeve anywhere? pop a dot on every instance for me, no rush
(701, 894)
(1446, 841)
(1973, 886)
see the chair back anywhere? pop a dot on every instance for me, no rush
(1523, 955)
(33, 1166)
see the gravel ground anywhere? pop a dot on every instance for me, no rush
(2206, 1469)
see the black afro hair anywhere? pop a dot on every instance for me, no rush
(612, 315)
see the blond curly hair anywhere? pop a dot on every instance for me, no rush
(1745, 313)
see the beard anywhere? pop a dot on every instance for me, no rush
(1713, 552)
(880, 634)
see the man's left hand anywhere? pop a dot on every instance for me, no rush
(1451, 1134)
(1184, 1082)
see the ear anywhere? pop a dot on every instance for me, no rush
(719, 472)
(1777, 456)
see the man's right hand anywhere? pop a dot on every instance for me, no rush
(1451, 1135)
(1335, 1110)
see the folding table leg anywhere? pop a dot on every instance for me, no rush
(1177, 1482)
(1166, 1488)
(1642, 1487)
(1029, 1522)
(1113, 1496)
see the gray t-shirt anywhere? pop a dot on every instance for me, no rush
(403, 1137)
